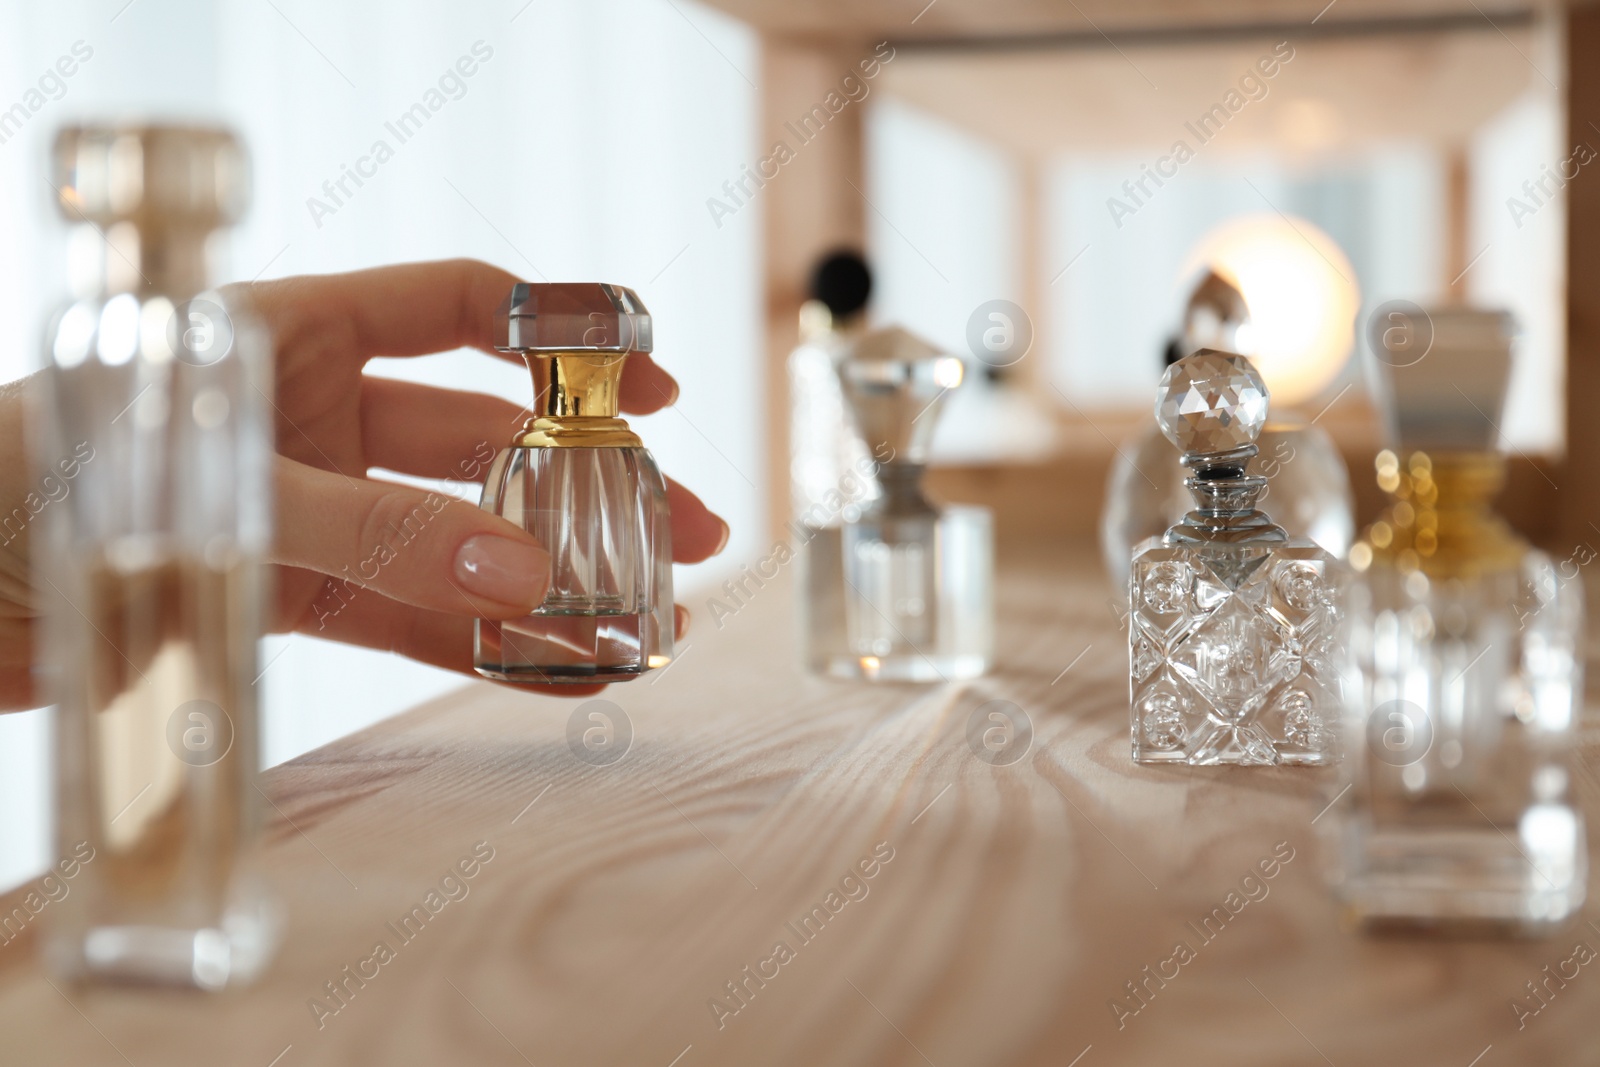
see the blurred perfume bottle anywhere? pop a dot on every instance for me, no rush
(830, 472)
(156, 390)
(904, 591)
(1467, 671)
(579, 480)
(1233, 626)
(1307, 482)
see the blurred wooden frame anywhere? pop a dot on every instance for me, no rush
(820, 203)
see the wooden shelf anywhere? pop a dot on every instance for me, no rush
(620, 900)
(977, 21)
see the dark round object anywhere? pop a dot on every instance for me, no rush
(843, 282)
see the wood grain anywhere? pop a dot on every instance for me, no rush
(1018, 901)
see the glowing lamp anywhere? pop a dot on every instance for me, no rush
(1302, 296)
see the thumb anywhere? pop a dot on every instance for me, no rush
(418, 547)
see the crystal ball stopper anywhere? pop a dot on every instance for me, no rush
(1212, 402)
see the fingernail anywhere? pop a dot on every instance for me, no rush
(503, 570)
(722, 544)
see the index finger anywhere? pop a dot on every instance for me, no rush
(416, 309)
(410, 309)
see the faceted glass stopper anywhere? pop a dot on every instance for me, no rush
(573, 317)
(893, 382)
(1212, 402)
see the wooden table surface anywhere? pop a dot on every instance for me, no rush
(1008, 906)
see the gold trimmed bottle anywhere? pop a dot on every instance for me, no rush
(156, 403)
(1467, 672)
(582, 483)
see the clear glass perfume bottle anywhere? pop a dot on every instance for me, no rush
(153, 409)
(584, 485)
(908, 595)
(1234, 627)
(1467, 675)
(830, 471)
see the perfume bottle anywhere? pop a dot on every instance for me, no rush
(1466, 674)
(579, 480)
(1307, 483)
(153, 417)
(830, 471)
(1233, 626)
(905, 591)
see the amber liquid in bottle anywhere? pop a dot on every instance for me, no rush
(167, 751)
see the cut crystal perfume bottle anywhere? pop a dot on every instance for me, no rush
(904, 592)
(1234, 627)
(1466, 675)
(153, 418)
(584, 485)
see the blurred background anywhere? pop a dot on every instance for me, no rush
(974, 152)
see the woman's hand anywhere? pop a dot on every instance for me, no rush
(334, 424)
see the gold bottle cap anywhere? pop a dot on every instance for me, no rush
(575, 337)
(1443, 377)
(1442, 521)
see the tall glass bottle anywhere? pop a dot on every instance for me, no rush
(154, 396)
(584, 485)
(1467, 673)
(1233, 626)
(908, 593)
